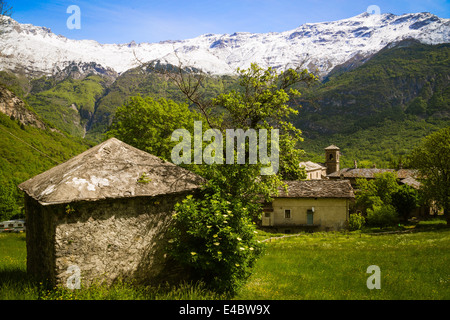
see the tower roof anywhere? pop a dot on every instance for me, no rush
(112, 169)
(332, 147)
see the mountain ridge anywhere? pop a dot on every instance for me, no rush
(322, 46)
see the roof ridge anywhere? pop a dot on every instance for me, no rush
(111, 169)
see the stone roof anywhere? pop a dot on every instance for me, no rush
(112, 169)
(317, 189)
(332, 147)
(370, 173)
(410, 181)
(309, 165)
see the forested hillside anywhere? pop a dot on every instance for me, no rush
(25, 152)
(375, 111)
(378, 111)
(70, 104)
(144, 81)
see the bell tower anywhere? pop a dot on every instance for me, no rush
(332, 159)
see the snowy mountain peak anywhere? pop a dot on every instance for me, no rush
(320, 46)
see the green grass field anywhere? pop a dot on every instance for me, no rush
(319, 266)
(334, 266)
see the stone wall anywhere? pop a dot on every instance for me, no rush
(107, 240)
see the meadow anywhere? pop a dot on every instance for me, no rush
(305, 266)
(329, 266)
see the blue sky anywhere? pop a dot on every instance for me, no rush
(153, 21)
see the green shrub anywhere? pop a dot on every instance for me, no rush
(405, 199)
(356, 221)
(381, 216)
(215, 237)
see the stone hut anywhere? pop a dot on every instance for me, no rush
(104, 213)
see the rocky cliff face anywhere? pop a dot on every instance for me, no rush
(80, 70)
(15, 108)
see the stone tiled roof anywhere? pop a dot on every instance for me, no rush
(318, 189)
(112, 169)
(370, 173)
(309, 165)
(410, 181)
(332, 147)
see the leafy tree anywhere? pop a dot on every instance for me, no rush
(213, 232)
(382, 199)
(366, 195)
(386, 184)
(262, 103)
(381, 216)
(377, 191)
(356, 221)
(220, 219)
(405, 199)
(147, 124)
(431, 159)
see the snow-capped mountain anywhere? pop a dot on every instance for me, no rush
(319, 46)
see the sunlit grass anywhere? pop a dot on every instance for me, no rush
(319, 266)
(334, 265)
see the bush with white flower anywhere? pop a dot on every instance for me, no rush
(214, 235)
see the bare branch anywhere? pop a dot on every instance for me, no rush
(189, 81)
(5, 11)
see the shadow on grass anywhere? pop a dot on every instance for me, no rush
(15, 284)
(409, 228)
(15, 278)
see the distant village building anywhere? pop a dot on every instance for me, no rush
(310, 204)
(333, 172)
(314, 171)
(405, 176)
(106, 212)
(332, 154)
(332, 159)
(16, 226)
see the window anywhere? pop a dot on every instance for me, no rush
(267, 214)
(287, 214)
